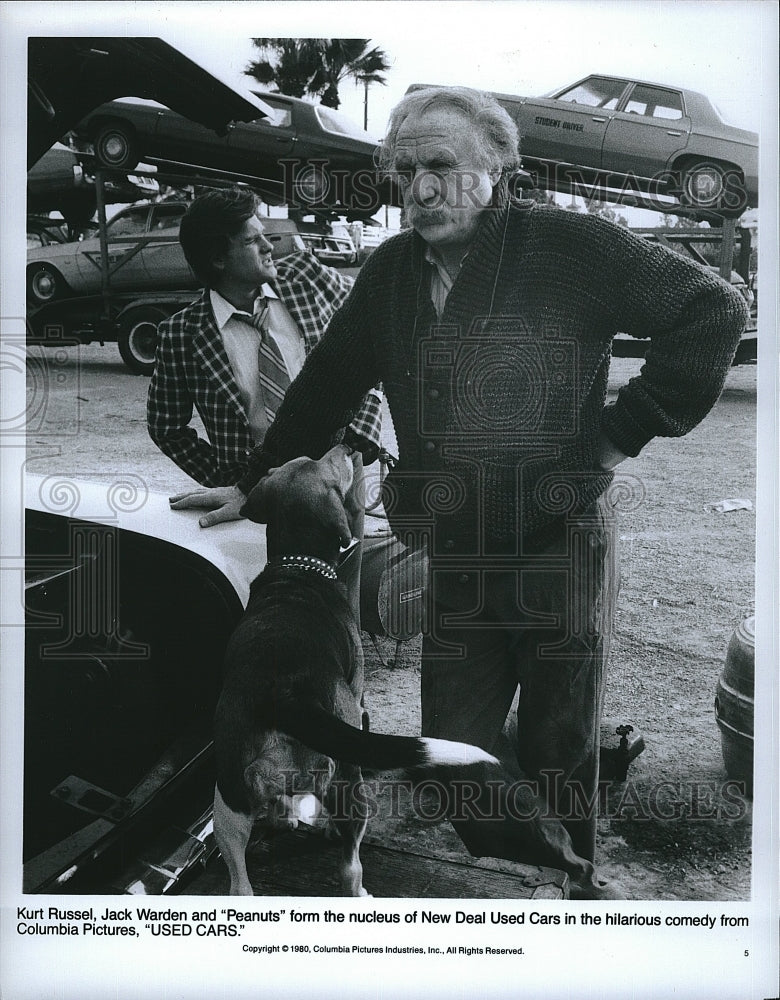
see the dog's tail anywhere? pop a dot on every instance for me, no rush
(322, 731)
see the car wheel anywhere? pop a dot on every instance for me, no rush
(311, 187)
(138, 338)
(45, 284)
(713, 186)
(115, 146)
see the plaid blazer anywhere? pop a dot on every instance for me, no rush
(192, 370)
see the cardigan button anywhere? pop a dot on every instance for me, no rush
(430, 446)
(449, 544)
(463, 578)
(433, 394)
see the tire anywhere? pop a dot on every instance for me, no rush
(116, 146)
(713, 186)
(311, 186)
(45, 284)
(137, 338)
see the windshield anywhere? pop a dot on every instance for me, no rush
(595, 92)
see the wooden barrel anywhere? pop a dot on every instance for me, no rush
(734, 702)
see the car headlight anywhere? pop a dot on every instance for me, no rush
(44, 285)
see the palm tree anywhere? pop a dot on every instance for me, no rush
(344, 59)
(288, 64)
(316, 66)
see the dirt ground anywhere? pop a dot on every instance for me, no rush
(687, 581)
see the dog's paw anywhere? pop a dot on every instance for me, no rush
(241, 887)
(597, 888)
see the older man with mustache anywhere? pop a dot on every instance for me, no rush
(490, 323)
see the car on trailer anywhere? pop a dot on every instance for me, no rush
(308, 156)
(652, 136)
(60, 182)
(329, 249)
(68, 77)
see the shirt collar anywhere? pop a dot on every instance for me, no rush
(223, 310)
(432, 257)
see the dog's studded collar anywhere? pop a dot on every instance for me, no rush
(308, 562)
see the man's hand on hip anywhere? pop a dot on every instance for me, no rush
(609, 455)
(224, 503)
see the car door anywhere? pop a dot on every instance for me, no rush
(571, 126)
(124, 234)
(185, 141)
(163, 258)
(648, 128)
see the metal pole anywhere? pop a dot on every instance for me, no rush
(727, 248)
(745, 246)
(100, 199)
(365, 105)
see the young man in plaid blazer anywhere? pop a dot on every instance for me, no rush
(207, 357)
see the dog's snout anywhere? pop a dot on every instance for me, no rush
(349, 461)
(341, 461)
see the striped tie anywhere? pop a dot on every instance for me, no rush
(272, 371)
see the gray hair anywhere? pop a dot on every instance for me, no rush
(494, 131)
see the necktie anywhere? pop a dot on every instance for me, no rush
(272, 371)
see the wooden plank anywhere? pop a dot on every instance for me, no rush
(303, 863)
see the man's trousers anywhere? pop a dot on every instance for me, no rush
(539, 621)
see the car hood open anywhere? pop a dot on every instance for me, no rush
(68, 77)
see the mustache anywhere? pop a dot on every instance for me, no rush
(432, 216)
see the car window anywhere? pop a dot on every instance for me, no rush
(167, 216)
(654, 102)
(282, 118)
(595, 93)
(35, 240)
(132, 224)
(339, 124)
(282, 111)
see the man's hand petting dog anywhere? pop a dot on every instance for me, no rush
(223, 503)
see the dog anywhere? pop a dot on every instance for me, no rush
(289, 718)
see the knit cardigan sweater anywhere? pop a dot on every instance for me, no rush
(498, 406)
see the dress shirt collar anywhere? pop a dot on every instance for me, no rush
(224, 310)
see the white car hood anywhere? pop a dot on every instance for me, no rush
(236, 548)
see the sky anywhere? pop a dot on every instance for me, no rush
(515, 46)
(726, 49)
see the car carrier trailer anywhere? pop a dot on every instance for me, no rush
(125, 316)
